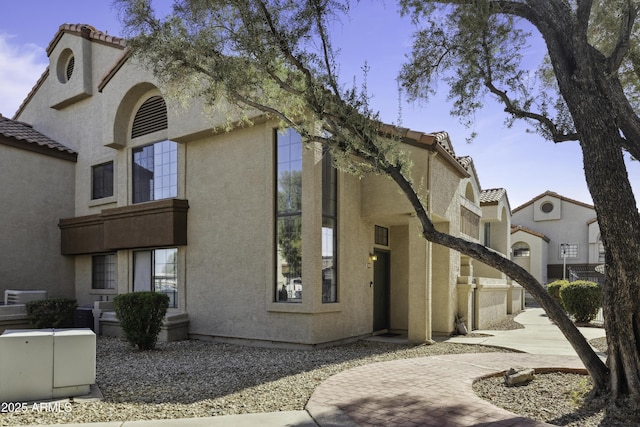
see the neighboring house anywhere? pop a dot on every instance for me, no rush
(483, 291)
(253, 236)
(555, 237)
(37, 176)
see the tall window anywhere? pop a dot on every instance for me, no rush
(103, 271)
(155, 171)
(288, 216)
(157, 270)
(102, 181)
(329, 235)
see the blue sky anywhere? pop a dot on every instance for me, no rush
(374, 33)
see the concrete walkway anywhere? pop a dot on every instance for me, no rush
(539, 335)
(428, 391)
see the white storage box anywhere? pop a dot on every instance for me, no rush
(40, 364)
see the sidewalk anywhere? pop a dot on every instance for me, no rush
(437, 391)
(539, 335)
(428, 391)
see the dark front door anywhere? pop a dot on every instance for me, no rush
(381, 279)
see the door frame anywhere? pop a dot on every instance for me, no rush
(381, 295)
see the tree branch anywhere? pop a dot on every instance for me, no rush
(511, 108)
(623, 44)
(326, 48)
(282, 43)
(583, 14)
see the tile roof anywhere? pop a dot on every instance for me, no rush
(492, 195)
(22, 135)
(436, 141)
(87, 32)
(556, 195)
(465, 161)
(83, 30)
(515, 228)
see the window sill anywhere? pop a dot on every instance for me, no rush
(289, 307)
(103, 292)
(103, 201)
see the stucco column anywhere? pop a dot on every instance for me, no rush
(419, 329)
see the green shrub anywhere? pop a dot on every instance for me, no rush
(51, 313)
(140, 315)
(554, 290)
(582, 299)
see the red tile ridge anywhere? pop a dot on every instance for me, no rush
(556, 195)
(516, 228)
(85, 31)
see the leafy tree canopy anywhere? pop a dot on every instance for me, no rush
(275, 57)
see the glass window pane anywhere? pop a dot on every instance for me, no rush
(103, 271)
(329, 271)
(102, 181)
(288, 217)
(165, 278)
(329, 235)
(155, 172)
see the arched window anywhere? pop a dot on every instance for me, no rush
(155, 166)
(521, 249)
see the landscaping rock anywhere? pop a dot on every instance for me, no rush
(518, 376)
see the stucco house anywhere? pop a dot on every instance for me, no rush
(37, 175)
(555, 237)
(254, 237)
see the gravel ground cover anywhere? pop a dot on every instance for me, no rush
(201, 378)
(556, 398)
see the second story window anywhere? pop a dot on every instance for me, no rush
(568, 250)
(155, 172)
(102, 181)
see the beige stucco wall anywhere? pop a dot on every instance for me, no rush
(230, 262)
(401, 276)
(446, 269)
(36, 191)
(536, 262)
(491, 302)
(226, 271)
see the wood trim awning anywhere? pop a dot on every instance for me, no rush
(144, 225)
